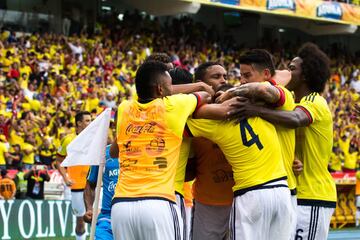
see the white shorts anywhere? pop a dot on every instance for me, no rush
(188, 211)
(149, 219)
(294, 220)
(313, 222)
(77, 203)
(264, 214)
(180, 202)
(210, 222)
(358, 201)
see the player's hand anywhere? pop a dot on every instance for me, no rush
(207, 88)
(242, 109)
(282, 77)
(68, 182)
(222, 96)
(88, 216)
(297, 167)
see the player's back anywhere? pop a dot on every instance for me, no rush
(252, 148)
(149, 139)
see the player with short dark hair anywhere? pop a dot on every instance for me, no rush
(257, 70)
(75, 176)
(161, 57)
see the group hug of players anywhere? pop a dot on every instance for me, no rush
(241, 144)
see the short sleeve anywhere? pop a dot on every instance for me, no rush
(119, 114)
(288, 103)
(93, 173)
(201, 128)
(185, 103)
(308, 105)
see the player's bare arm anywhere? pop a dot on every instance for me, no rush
(255, 91)
(62, 170)
(114, 149)
(89, 196)
(217, 111)
(192, 87)
(290, 119)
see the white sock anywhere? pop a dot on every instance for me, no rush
(81, 237)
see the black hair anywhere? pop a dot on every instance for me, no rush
(315, 66)
(180, 76)
(80, 116)
(260, 59)
(224, 87)
(160, 57)
(200, 71)
(147, 76)
(3, 172)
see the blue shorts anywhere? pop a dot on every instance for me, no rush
(103, 229)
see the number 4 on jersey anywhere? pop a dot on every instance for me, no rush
(244, 125)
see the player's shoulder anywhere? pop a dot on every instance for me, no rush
(315, 99)
(179, 98)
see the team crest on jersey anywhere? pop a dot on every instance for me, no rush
(331, 10)
(281, 4)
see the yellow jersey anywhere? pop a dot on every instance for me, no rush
(252, 149)
(28, 158)
(350, 160)
(3, 150)
(287, 138)
(181, 166)
(313, 147)
(149, 137)
(77, 174)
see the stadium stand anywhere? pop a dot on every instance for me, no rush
(46, 78)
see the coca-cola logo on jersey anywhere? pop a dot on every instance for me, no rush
(140, 129)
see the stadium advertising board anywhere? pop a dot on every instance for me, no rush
(32, 219)
(310, 9)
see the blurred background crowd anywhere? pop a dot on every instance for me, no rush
(46, 78)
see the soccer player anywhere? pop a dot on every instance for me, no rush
(148, 143)
(75, 176)
(213, 175)
(211, 221)
(110, 177)
(258, 71)
(183, 77)
(261, 205)
(314, 139)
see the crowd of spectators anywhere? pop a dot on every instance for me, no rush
(354, 2)
(45, 79)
